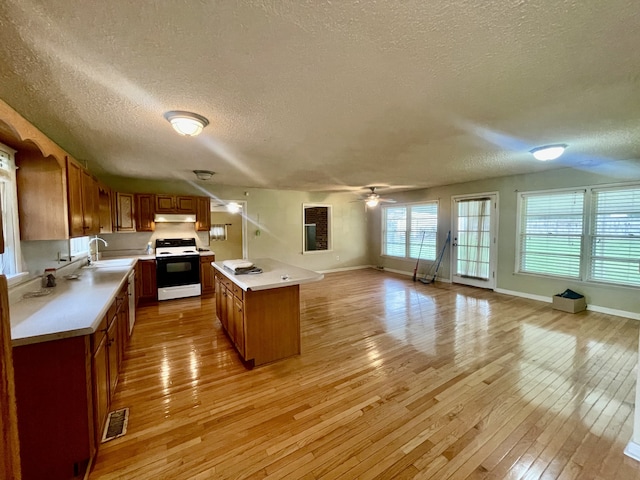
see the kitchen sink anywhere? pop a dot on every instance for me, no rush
(112, 262)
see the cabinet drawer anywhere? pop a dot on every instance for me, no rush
(238, 292)
(227, 283)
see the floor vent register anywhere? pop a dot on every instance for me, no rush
(116, 424)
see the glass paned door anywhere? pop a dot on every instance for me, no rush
(474, 240)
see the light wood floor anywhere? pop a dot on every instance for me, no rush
(396, 380)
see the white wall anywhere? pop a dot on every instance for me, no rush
(618, 298)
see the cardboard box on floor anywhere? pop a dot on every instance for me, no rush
(569, 304)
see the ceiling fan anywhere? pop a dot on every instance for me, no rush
(372, 199)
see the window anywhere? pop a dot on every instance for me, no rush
(218, 232)
(615, 236)
(551, 228)
(591, 234)
(10, 260)
(410, 231)
(316, 233)
(79, 246)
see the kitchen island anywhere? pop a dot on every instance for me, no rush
(261, 312)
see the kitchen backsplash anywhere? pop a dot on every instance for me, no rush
(136, 243)
(38, 255)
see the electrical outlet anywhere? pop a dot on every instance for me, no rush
(337, 257)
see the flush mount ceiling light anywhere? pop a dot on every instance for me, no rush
(186, 123)
(233, 207)
(548, 152)
(204, 174)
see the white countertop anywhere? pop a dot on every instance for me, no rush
(74, 308)
(274, 274)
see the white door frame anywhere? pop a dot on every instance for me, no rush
(243, 204)
(493, 251)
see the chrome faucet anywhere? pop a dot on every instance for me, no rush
(95, 239)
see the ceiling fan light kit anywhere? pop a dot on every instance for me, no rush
(188, 124)
(548, 152)
(373, 199)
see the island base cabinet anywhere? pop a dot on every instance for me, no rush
(272, 324)
(263, 325)
(54, 404)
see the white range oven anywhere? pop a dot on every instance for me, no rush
(177, 268)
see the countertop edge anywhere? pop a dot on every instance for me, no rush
(89, 329)
(312, 277)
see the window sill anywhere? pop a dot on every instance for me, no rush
(17, 278)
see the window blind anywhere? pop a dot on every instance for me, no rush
(404, 227)
(424, 218)
(615, 236)
(551, 233)
(395, 232)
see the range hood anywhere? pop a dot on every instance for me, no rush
(174, 218)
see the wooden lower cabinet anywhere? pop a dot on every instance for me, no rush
(54, 399)
(64, 391)
(207, 273)
(146, 283)
(100, 369)
(264, 325)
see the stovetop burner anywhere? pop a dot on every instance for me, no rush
(176, 247)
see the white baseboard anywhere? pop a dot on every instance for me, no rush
(592, 308)
(530, 296)
(345, 269)
(614, 311)
(632, 450)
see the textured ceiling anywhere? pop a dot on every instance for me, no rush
(327, 95)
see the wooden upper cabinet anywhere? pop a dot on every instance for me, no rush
(90, 204)
(42, 196)
(203, 214)
(165, 204)
(145, 210)
(74, 192)
(123, 211)
(185, 204)
(175, 204)
(105, 206)
(82, 191)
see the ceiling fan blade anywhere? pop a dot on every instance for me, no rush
(386, 200)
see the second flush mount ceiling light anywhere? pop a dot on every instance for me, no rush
(188, 124)
(548, 152)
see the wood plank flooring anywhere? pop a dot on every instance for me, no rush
(397, 380)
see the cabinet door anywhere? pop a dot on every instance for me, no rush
(238, 325)
(148, 284)
(74, 193)
(124, 212)
(123, 324)
(206, 273)
(218, 289)
(112, 355)
(90, 212)
(224, 319)
(145, 209)
(203, 214)
(104, 209)
(165, 204)
(185, 204)
(228, 313)
(100, 370)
